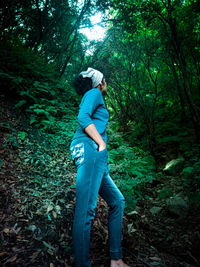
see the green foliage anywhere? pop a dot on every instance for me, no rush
(22, 135)
(66, 247)
(47, 101)
(191, 173)
(11, 140)
(187, 173)
(131, 169)
(194, 197)
(51, 29)
(150, 63)
(191, 182)
(5, 126)
(20, 104)
(32, 81)
(165, 192)
(1, 163)
(15, 139)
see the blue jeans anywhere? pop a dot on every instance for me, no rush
(92, 179)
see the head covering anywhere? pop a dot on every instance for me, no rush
(95, 75)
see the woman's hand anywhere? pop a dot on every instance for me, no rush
(102, 146)
(93, 133)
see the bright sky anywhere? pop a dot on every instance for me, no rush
(96, 32)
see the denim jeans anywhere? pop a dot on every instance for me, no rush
(92, 179)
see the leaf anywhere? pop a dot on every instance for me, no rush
(132, 213)
(17, 80)
(155, 259)
(194, 197)
(3, 254)
(40, 111)
(34, 256)
(58, 209)
(24, 93)
(48, 245)
(36, 83)
(154, 210)
(32, 120)
(136, 173)
(6, 230)
(54, 214)
(45, 122)
(155, 263)
(12, 259)
(5, 125)
(37, 181)
(20, 103)
(1, 162)
(6, 75)
(22, 135)
(66, 247)
(131, 229)
(49, 217)
(165, 192)
(50, 208)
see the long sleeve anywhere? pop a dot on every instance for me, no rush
(91, 100)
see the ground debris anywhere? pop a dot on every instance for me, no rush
(37, 201)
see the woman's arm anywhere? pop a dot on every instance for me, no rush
(94, 134)
(90, 103)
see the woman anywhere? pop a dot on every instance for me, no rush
(89, 153)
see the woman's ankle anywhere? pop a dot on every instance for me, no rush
(117, 261)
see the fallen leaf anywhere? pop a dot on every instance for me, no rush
(132, 213)
(35, 255)
(48, 245)
(50, 207)
(12, 259)
(131, 229)
(155, 259)
(6, 230)
(54, 214)
(4, 253)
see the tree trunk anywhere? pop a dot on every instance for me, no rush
(180, 94)
(76, 26)
(176, 44)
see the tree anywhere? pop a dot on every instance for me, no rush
(165, 40)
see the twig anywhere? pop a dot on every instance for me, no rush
(138, 258)
(190, 254)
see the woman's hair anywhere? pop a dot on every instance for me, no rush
(82, 85)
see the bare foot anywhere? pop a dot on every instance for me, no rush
(118, 263)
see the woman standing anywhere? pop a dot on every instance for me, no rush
(89, 153)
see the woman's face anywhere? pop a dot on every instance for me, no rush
(104, 87)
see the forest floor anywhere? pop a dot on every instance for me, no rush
(37, 200)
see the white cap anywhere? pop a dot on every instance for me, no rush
(95, 75)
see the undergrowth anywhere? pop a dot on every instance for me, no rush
(51, 107)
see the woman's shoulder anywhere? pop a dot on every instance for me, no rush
(93, 94)
(93, 91)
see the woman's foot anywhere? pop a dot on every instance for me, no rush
(118, 263)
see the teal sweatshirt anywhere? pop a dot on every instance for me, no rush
(92, 110)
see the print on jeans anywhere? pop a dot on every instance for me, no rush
(77, 153)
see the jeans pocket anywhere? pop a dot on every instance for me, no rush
(96, 147)
(77, 153)
(93, 144)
